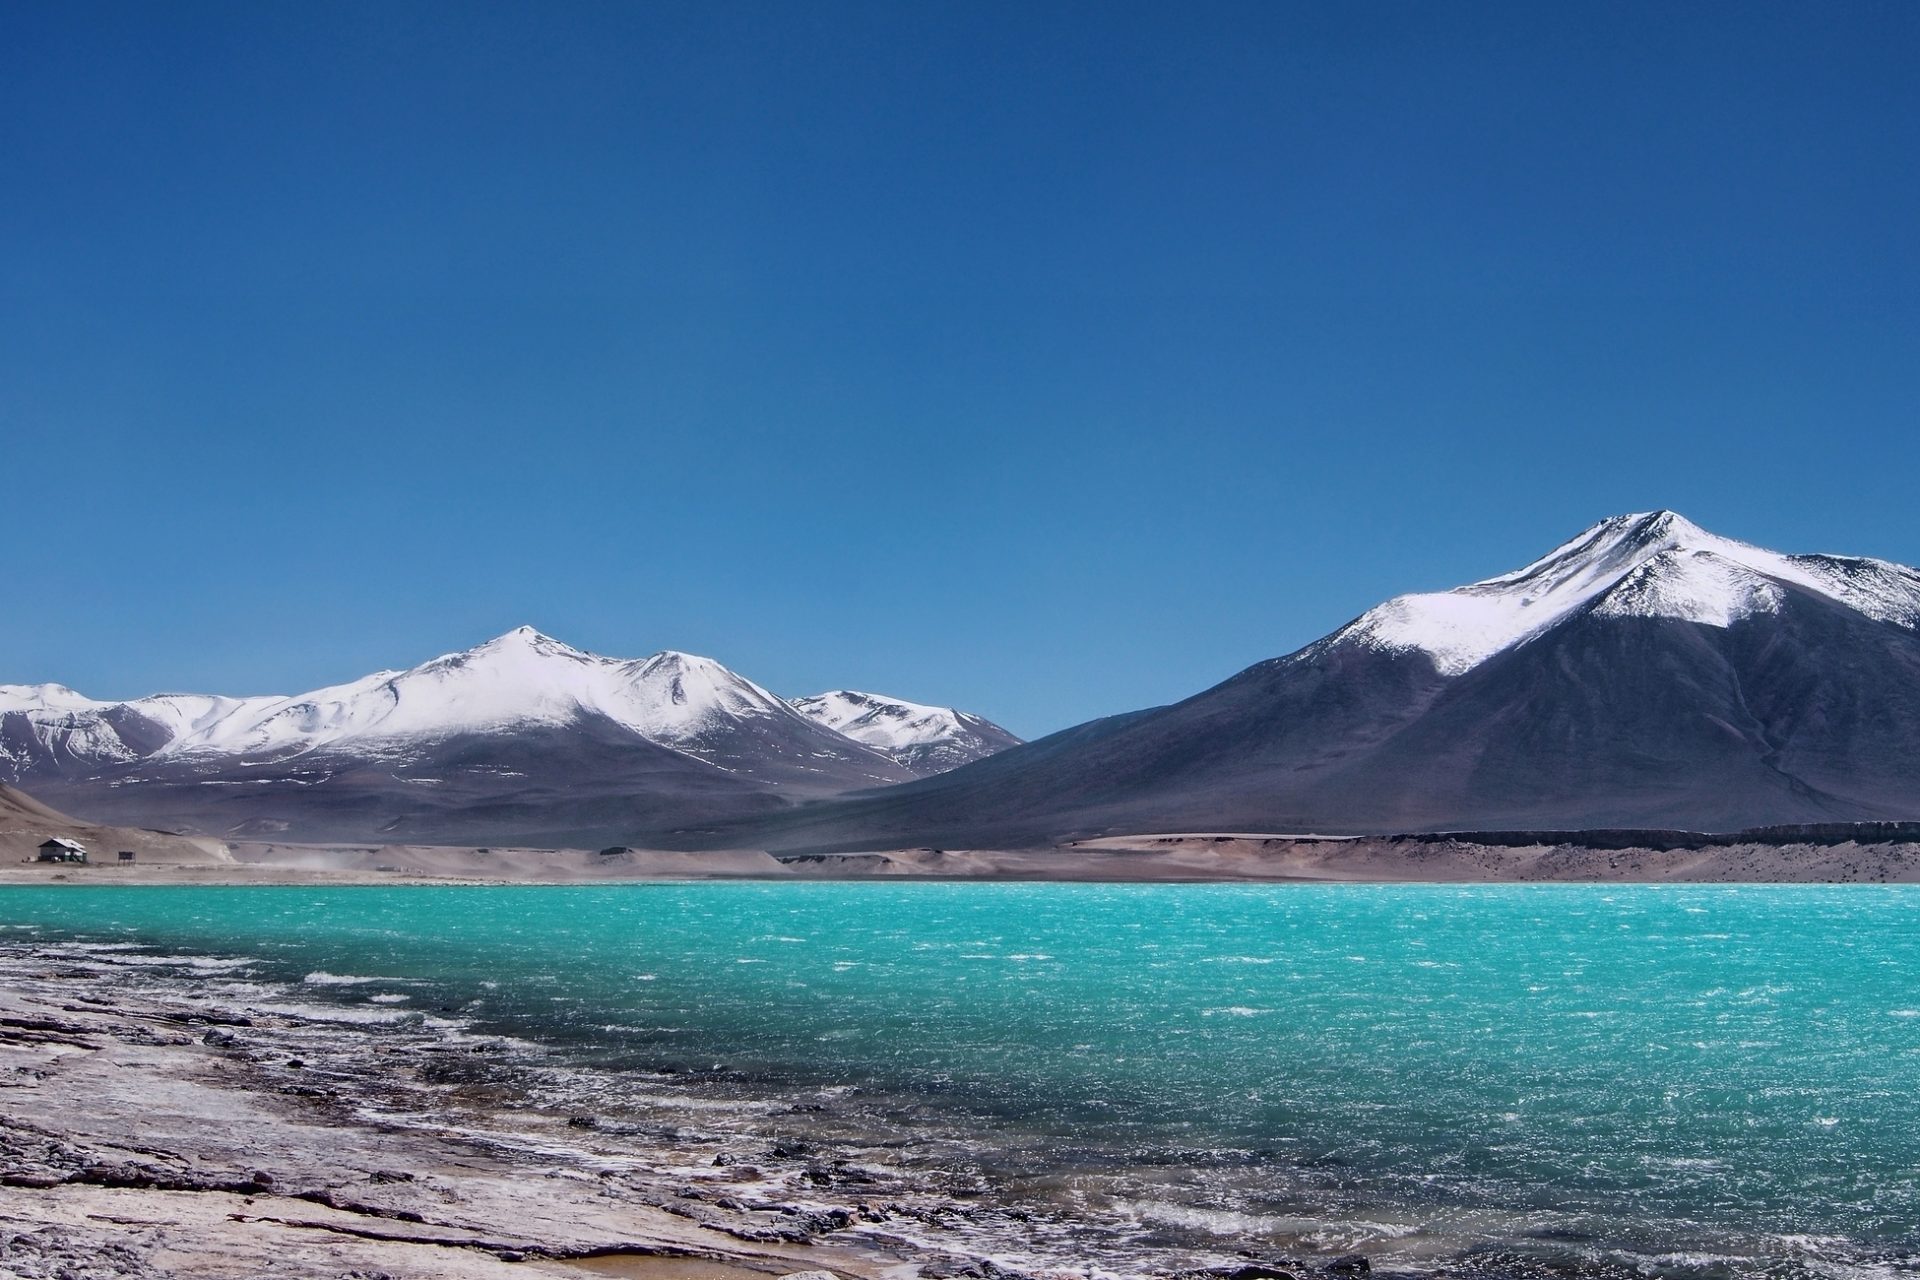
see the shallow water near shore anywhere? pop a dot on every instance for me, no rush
(1689, 1080)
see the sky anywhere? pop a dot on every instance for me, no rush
(1045, 359)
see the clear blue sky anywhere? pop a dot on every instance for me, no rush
(1046, 359)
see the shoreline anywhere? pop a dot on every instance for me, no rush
(1189, 858)
(1844, 853)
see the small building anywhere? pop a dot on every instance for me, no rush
(59, 849)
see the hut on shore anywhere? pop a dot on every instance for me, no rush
(60, 849)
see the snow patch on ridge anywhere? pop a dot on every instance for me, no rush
(880, 721)
(183, 713)
(1694, 586)
(924, 738)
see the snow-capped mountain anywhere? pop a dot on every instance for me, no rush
(522, 736)
(1651, 565)
(518, 679)
(1644, 673)
(926, 740)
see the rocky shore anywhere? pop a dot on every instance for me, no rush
(154, 1123)
(146, 1132)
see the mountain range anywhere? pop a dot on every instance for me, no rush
(522, 739)
(1644, 673)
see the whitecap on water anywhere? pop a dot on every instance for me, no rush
(333, 1013)
(321, 978)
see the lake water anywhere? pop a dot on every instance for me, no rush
(1674, 1079)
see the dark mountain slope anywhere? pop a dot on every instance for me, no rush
(1646, 674)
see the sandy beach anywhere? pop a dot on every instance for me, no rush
(159, 857)
(1193, 857)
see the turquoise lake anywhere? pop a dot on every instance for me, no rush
(1690, 1079)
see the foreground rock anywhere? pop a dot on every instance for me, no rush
(143, 1139)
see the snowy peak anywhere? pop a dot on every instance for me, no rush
(926, 739)
(45, 697)
(521, 643)
(518, 679)
(528, 637)
(1646, 565)
(1603, 553)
